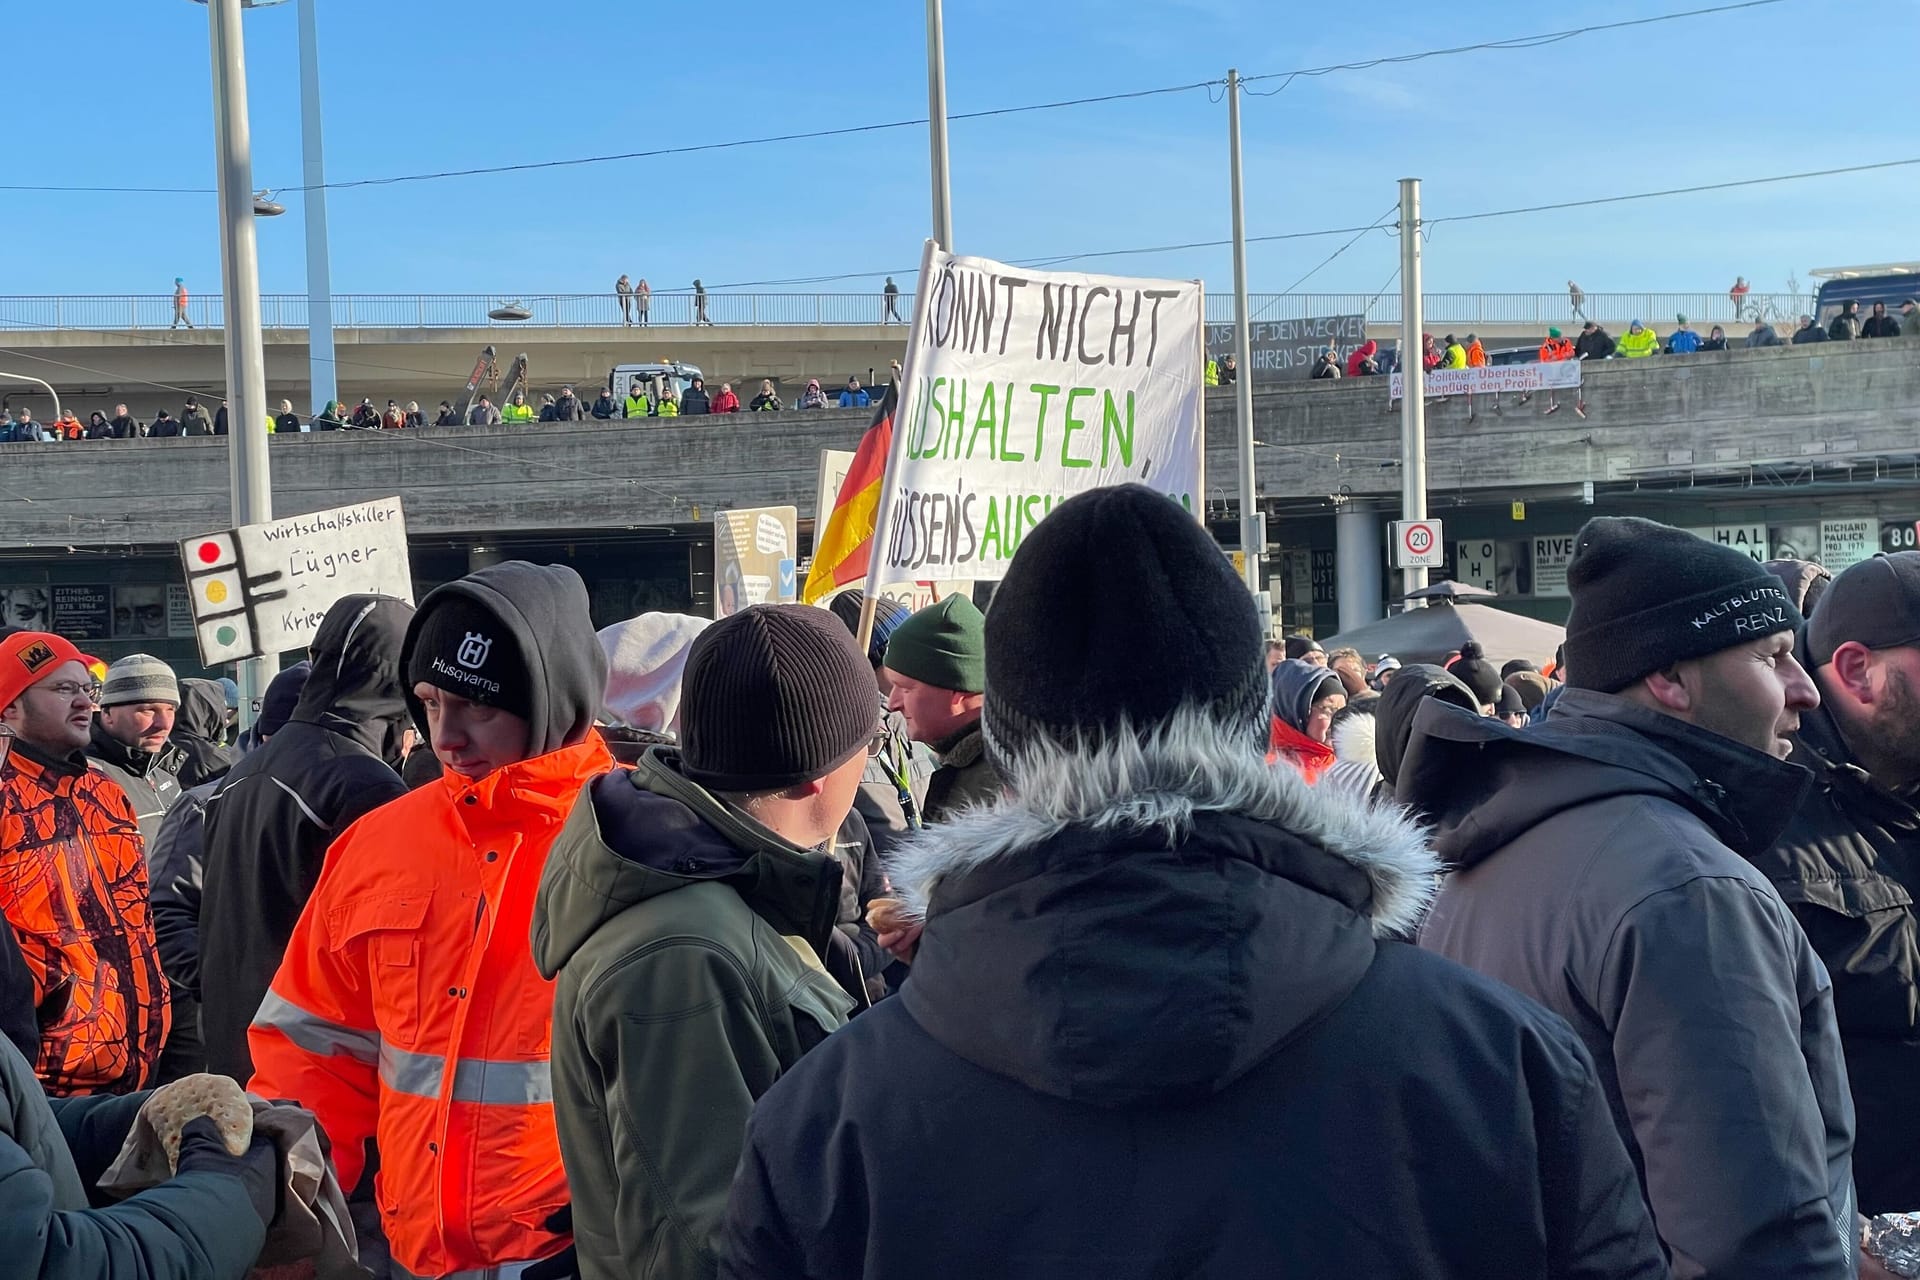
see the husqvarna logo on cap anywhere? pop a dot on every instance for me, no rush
(473, 650)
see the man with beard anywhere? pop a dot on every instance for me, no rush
(270, 822)
(1849, 864)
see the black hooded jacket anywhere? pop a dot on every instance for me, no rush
(1153, 1029)
(1399, 702)
(270, 822)
(1848, 866)
(1600, 867)
(198, 731)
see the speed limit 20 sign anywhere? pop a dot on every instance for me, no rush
(1417, 544)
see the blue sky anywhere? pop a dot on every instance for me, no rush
(115, 93)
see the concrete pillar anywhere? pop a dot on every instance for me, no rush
(1359, 551)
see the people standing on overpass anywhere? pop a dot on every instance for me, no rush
(642, 299)
(165, 426)
(668, 405)
(1846, 325)
(1910, 315)
(1716, 340)
(365, 416)
(604, 406)
(1327, 364)
(766, 401)
(549, 412)
(1808, 332)
(855, 396)
(700, 304)
(1577, 299)
(1365, 360)
(1229, 371)
(1738, 296)
(413, 416)
(1880, 324)
(1638, 342)
(1431, 356)
(726, 401)
(287, 422)
(125, 425)
(180, 304)
(636, 405)
(1594, 343)
(395, 418)
(813, 397)
(484, 414)
(1456, 355)
(1682, 341)
(518, 411)
(1555, 349)
(98, 428)
(448, 416)
(623, 289)
(696, 402)
(328, 419)
(1763, 335)
(193, 420)
(892, 293)
(566, 406)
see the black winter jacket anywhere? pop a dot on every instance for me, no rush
(1596, 344)
(150, 779)
(1810, 333)
(1155, 1042)
(1880, 327)
(695, 401)
(1848, 867)
(270, 821)
(199, 735)
(18, 1021)
(1600, 867)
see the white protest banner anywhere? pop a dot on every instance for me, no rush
(264, 588)
(754, 557)
(1288, 348)
(1554, 375)
(1024, 388)
(1848, 542)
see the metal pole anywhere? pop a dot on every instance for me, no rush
(247, 467)
(323, 372)
(937, 125)
(27, 377)
(1253, 525)
(1413, 405)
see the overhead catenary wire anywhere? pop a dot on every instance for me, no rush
(1506, 43)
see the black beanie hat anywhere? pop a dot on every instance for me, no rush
(1119, 608)
(281, 697)
(887, 617)
(775, 695)
(459, 645)
(1647, 595)
(1474, 671)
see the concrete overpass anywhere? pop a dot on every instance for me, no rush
(1771, 440)
(103, 350)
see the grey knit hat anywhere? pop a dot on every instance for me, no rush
(140, 677)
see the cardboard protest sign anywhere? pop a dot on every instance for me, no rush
(264, 588)
(754, 558)
(1024, 388)
(1555, 375)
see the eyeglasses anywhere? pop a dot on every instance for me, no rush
(877, 743)
(70, 689)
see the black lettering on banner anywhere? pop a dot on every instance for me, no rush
(1009, 283)
(1080, 347)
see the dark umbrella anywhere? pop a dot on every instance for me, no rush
(1450, 590)
(1430, 634)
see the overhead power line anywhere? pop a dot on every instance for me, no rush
(1508, 43)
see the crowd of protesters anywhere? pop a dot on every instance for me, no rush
(1092, 935)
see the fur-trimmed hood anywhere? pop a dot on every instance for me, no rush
(1144, 916)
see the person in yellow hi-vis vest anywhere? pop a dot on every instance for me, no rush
(519, 410)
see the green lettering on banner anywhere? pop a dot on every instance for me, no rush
(1045, 392)
(1071, 425)
(985, 421)
(1007, 452)
(990, 537)
(929, 408)
(956, 424)
(1111, 432)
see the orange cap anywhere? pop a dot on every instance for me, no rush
(27, 657)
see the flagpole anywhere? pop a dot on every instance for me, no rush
(883, 513)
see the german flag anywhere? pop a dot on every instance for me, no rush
(843, 542)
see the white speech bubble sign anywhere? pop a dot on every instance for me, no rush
(770, 535)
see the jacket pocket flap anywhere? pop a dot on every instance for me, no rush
(406, 910)
(1849, 895)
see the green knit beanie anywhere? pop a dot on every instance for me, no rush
(944, 646)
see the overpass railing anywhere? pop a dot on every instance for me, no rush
(681, 310)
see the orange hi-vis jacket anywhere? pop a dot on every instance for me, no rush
(1476, 355)
(1554, 349)
(408, 1010)
(73, 884)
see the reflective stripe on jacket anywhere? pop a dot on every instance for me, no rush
(73, 884)
(1635, 346)
(408, 1010)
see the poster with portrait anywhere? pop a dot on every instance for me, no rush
(140, 611)
(28, 607)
